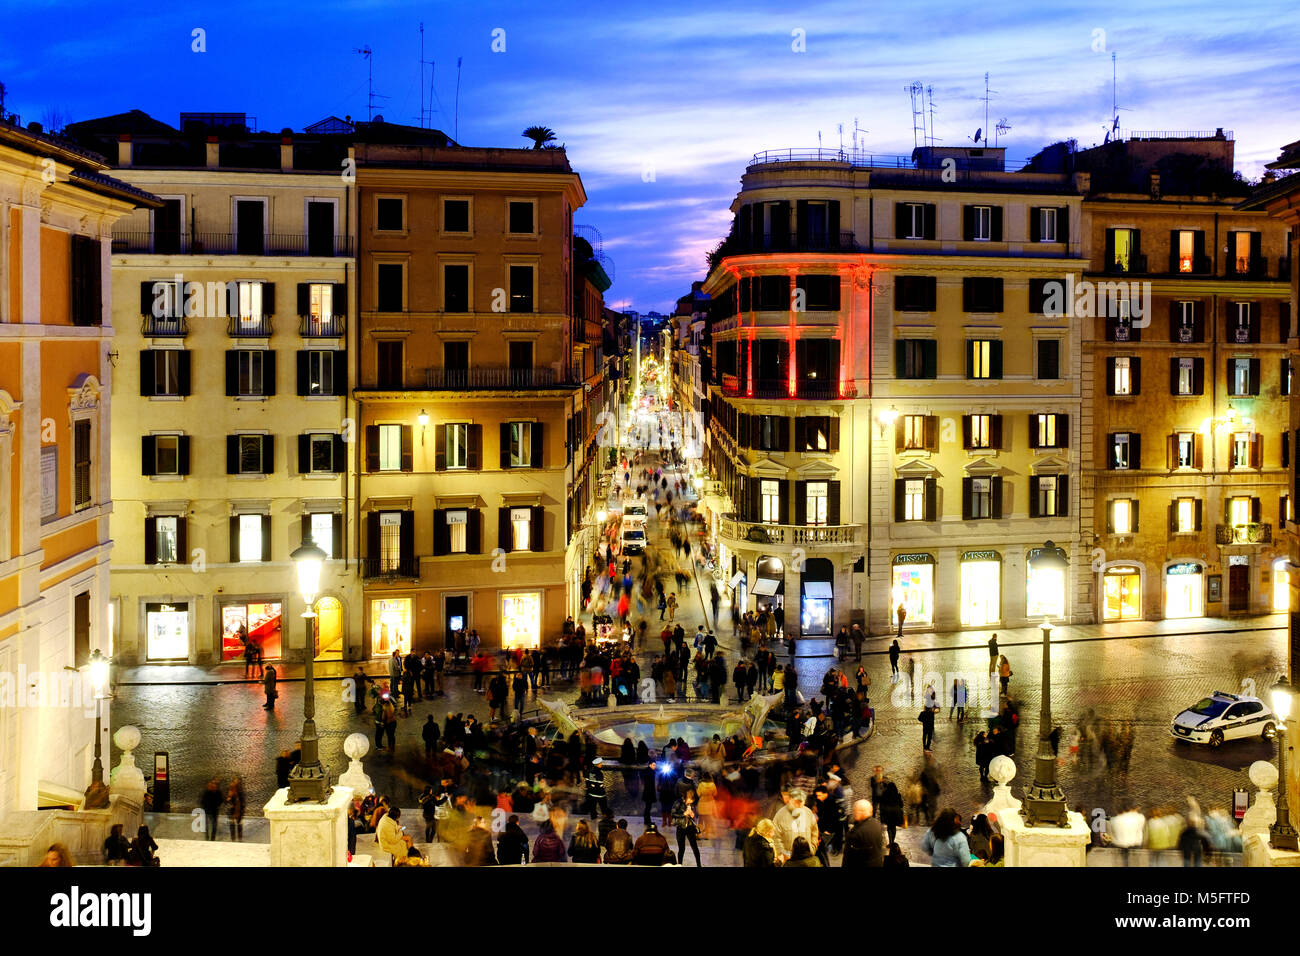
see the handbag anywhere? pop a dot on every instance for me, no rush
(540, 813)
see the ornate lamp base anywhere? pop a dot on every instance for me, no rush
(1045, 807)
(309, 784)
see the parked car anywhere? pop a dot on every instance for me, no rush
(1223, 716)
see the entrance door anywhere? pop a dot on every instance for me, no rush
(320, 229)
(1121, 596)
(1281, 587)
(1239, 588)
(329, 629)
(980, 593)
(1183, 593)
(457, 611)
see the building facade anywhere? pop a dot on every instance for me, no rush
(1186, 376)
(57, 210)
(231, 399)
(479, 388)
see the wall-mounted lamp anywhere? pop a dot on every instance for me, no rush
(423, 419)
(887, 417)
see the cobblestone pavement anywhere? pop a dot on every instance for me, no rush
(213, 724)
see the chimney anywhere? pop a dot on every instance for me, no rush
(213, 152)
(1153, 182)
(124, 150)
(286, 154)
(1083, 183)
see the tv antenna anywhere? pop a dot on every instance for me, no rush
(1002, 127)
(987, 95)
(856, 130)
(426, 112)
(456, 132)
(371, 95)
(1115, 108)
(917, 92)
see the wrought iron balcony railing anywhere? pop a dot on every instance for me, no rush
(1243, 533)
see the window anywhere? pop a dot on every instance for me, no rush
(982, 431)
(1047, 496)
(521, 288)
(1243, 376)
(914, 499)
(1243, 251)
(917, 432)
(1284, 512)
(1124, 451)
(981, 294)
(983, 358)
(388, 287)
(1241, 324)
(915, 220)
(1121, 375)
(1049, 359)
(914, 294)
(166, 532)
(1119, 328)
(321, 528)
(164, 372)
(320, 302)
(1123, 516)
(250, 366)
(390, 447)
(1286, 449)
(521, 362)
(248, 301)
(1049, 431)
(318, 374)
(769, 501)
(917, 358)
(81, 464)
(983, 219)
(389, 363)
(455, 356)
(521, 525)
(166, 454)
(816, 502)
(86, 304)
(521, 218)
(1184, 322)
(1186, 380)
(1247, 450)
(455, 215)
(816, 433)
(250, 537)
(455, 288)
(1184, 450)
(1047, 225)
(390, 540)
(1122, 252)
(390, 214)
(321, 454)
(457, 531)
(1240, 511)
(1285, 379)
(521, 444)
(458, 445)
(1187, 516)
(980, 504)
(1185, 250)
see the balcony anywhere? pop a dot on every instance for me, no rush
(322, 327)
(1129, 265)
(165, 326)
(231, 243)
(388, 570)
(1243, 534)
(738, 245)
(1194, 266)
(247, 327)
(490, 377)
(779, 388)
(743, 533)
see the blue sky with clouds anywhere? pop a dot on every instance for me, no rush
(687, 89)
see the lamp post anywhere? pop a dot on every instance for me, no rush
(1282, 835)
(97, 792)
(1045, 804)
(309, 781)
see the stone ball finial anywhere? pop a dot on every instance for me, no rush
(356, 746)
(1263, 774)
(1002, 769)
(127, 738)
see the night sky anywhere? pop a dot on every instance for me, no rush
(662, 104)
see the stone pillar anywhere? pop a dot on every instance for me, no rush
(1035, 846)
(309, 834)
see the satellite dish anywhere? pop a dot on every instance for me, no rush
(977, 133)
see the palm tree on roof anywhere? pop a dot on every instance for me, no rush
(540, 135)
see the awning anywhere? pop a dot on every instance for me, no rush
(737, 579)
(817, 589)
(765, 586)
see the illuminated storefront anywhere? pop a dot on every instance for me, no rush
(1281, 586)
(1121, 594)
(1184, 590)
(914, 587)
(521, 619)
(168, 630)
(390, 626)
(257, 622)
(816, 604)
(981, 588)
(1044, 589)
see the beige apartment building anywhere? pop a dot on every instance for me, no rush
(479, 387)
(1187, 437)
(232, 422)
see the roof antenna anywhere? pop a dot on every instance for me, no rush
(456, 135)
(987, 94)
(366, 52)
(426, 113)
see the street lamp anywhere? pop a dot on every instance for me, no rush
(309, 781)
(97, 671)
(1282, 835)
(1045, 804)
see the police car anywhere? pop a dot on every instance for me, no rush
(1220, 717)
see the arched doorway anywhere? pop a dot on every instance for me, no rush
(329, 629)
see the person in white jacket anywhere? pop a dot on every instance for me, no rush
(389, 834)
(1128, 831)
(794, 820)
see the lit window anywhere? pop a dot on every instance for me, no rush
(816, 502)
(166, 538)
(914, 499)
(1186, 251)
(322, 533)
(250, 537)
(1120, 451)
(390, 447)
(1239, 511)
(1121, 516)
(250, 302)
(1241, 446)
(1241, 376)
(521, 444)
(457, 526)
(321, 299)
(390, 540)
(1047, 498)
(521, 526)
(981, 354)
(458, 446)
(1185, 515)
(1186, 376)
(1241, 252)
(1047, 431)
(769, 492)
(1185, 449)
(1123, 376)
(913, 432)
(981, 497)
(1125, 250)
(166, 454)
(981, 431)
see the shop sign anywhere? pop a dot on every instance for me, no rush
(1121, 570)
(981, 556)
(914, 559)
(1190, 567)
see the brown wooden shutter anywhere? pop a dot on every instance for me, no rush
(832, 502)
(900, 499)
(148, 456)
(1256, 452)
(801, 502)
(304, 528)
(1062, 496)
(304, 454)
(505, 540)
(1198, 450)
(440, 447)
(372, 538)
(234, 539)
(967, 498)
(966, 431)
(995, 432)
(800, 434)
(1034, 440)
(1033, 496)
(372, 448)
(505, 445)
(474, 532)
(441, 533)
(268, 456)
(474, 448)
(539, 445)
(407, 541)
(995, 491)
(931, 499)
(833, 440)
(150, 540)
(932, 432)
(407, 448)
(537, 531)
(899, 433)
(266, 537)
